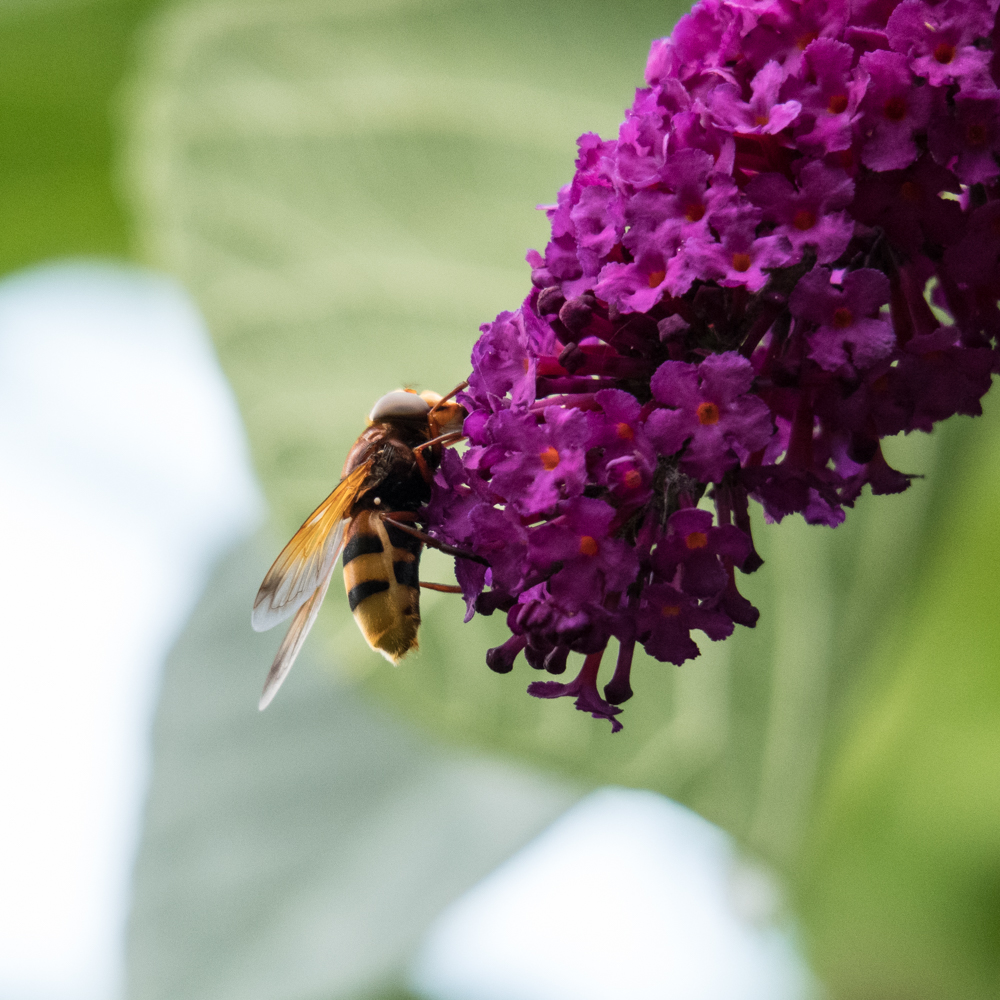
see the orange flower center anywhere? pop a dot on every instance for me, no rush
(549, 458)
(588, 546)
(837, 104)
(741, 262)
(624, 431)
(696, 540)
(656, 278)
(804, 219)
(944, 53)
(894, 109)
(803, 40)
(694, 211)
(670, 610)
(708, 413)
(762, 119)
(910, 191)
(632, 479)
(975, 135)
(842, 318)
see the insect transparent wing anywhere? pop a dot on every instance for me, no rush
(308, 558)
(292, 643)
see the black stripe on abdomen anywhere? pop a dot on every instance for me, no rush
(365, 589)
(407, 573)
(362, 545)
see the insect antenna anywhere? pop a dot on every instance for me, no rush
(444, 399)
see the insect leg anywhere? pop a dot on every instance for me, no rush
(449, 438)
(425, 469)
(397, 519)
(422, 465)
(444, 588)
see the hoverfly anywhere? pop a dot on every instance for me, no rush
(369, 517)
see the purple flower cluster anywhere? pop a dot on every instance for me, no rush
(790, 251)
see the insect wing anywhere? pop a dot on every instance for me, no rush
(292, 643)
(307, 561)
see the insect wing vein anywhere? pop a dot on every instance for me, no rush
(308, 559)
(292, 643)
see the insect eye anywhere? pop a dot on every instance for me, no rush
(399, 405)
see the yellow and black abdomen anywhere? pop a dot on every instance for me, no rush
(383, 586)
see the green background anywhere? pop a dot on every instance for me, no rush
(348, 192)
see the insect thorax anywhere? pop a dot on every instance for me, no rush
(394, 478)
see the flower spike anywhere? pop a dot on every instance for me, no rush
(790, 251)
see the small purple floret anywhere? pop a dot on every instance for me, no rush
(710, 418)
(848, 335)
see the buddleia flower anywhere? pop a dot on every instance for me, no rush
(789, 252)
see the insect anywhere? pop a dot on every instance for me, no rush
(369, 517)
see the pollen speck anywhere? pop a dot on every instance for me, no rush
(588, 546)
(656, 278)
(696, 540)
(741, 262)
(624, 431)
(632, 479)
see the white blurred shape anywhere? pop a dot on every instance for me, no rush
(628, 895)
(124, 473)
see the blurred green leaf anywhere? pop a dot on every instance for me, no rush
(348, 191)
(350, 188)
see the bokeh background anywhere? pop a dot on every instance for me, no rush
(228, 227)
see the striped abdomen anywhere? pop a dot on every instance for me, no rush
(383, 587)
